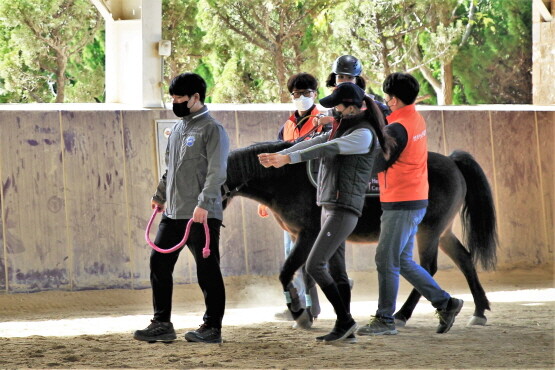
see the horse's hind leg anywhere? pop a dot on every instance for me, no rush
(458, 253)
(427, 250)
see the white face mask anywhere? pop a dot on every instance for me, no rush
(303, 103)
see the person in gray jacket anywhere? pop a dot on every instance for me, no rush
(348, 152)
(196, 159)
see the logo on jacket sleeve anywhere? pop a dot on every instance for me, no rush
(190, 140)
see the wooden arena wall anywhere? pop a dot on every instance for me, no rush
(77, 181)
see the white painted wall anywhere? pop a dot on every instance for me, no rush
(133, 66)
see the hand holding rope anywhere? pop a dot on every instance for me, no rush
(205, 250)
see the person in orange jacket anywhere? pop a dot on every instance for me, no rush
(304, 91)
(404, 200)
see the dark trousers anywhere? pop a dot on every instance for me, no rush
(329, 248)
(326, 261)
(170, 233)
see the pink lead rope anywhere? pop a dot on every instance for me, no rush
(205, 250)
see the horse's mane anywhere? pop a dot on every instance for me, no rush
(243, 163)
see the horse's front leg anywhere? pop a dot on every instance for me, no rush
(293, 262)
(311, 292)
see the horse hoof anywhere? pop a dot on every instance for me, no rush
(477, 320)
(303, 321)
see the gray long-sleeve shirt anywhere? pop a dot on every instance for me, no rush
(196, 160)
(356, 142)
(346, 164)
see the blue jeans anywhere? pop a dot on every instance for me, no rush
(394, 256)
(298, 282)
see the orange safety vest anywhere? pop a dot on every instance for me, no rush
(290, 130)
(407, 178)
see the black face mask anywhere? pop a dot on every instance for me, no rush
(181, 109)
(336, 114)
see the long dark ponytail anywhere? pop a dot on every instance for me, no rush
(375, 116)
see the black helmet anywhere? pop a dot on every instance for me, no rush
(347, 65)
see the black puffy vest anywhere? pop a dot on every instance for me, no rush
(343, 179)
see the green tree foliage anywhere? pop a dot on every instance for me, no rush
(261, 42)
(462, 51)
(408, 35)
(179, 25)
(495, 66)
(456, 48)
(85, 72)
(42, 37)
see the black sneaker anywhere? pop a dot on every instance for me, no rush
(157, 331)
(447, 316)
(341, 332)
(349, 339)
(204, 334)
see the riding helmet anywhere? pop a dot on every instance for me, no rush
(347, 65)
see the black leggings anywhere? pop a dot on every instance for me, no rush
(336, 225)
(170, 233)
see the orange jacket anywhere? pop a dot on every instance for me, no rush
(407, 178)
(290, 130)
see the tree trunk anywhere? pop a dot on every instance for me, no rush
(447, 83)
(280, 74)
(61, 62)
(436, 85)
(384, 48)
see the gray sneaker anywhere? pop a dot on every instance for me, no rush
(157, 331)
(378, 326)
(447, 316)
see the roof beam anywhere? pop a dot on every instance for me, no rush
(542, 9)
(103, 8)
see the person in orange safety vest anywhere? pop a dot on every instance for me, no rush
(404, 200)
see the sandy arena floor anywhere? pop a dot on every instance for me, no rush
(93, 329)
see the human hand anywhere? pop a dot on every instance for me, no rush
(200, 215)
(262, 211)
(323, 120)
(273, 160)
(155, 205)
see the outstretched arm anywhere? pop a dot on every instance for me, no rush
(273, 160)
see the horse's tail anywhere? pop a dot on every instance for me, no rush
(478, 212)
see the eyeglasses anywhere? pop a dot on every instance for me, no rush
(305, 93)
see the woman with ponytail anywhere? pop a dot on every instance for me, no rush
(347, 155)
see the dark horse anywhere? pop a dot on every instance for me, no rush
(457, 184)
